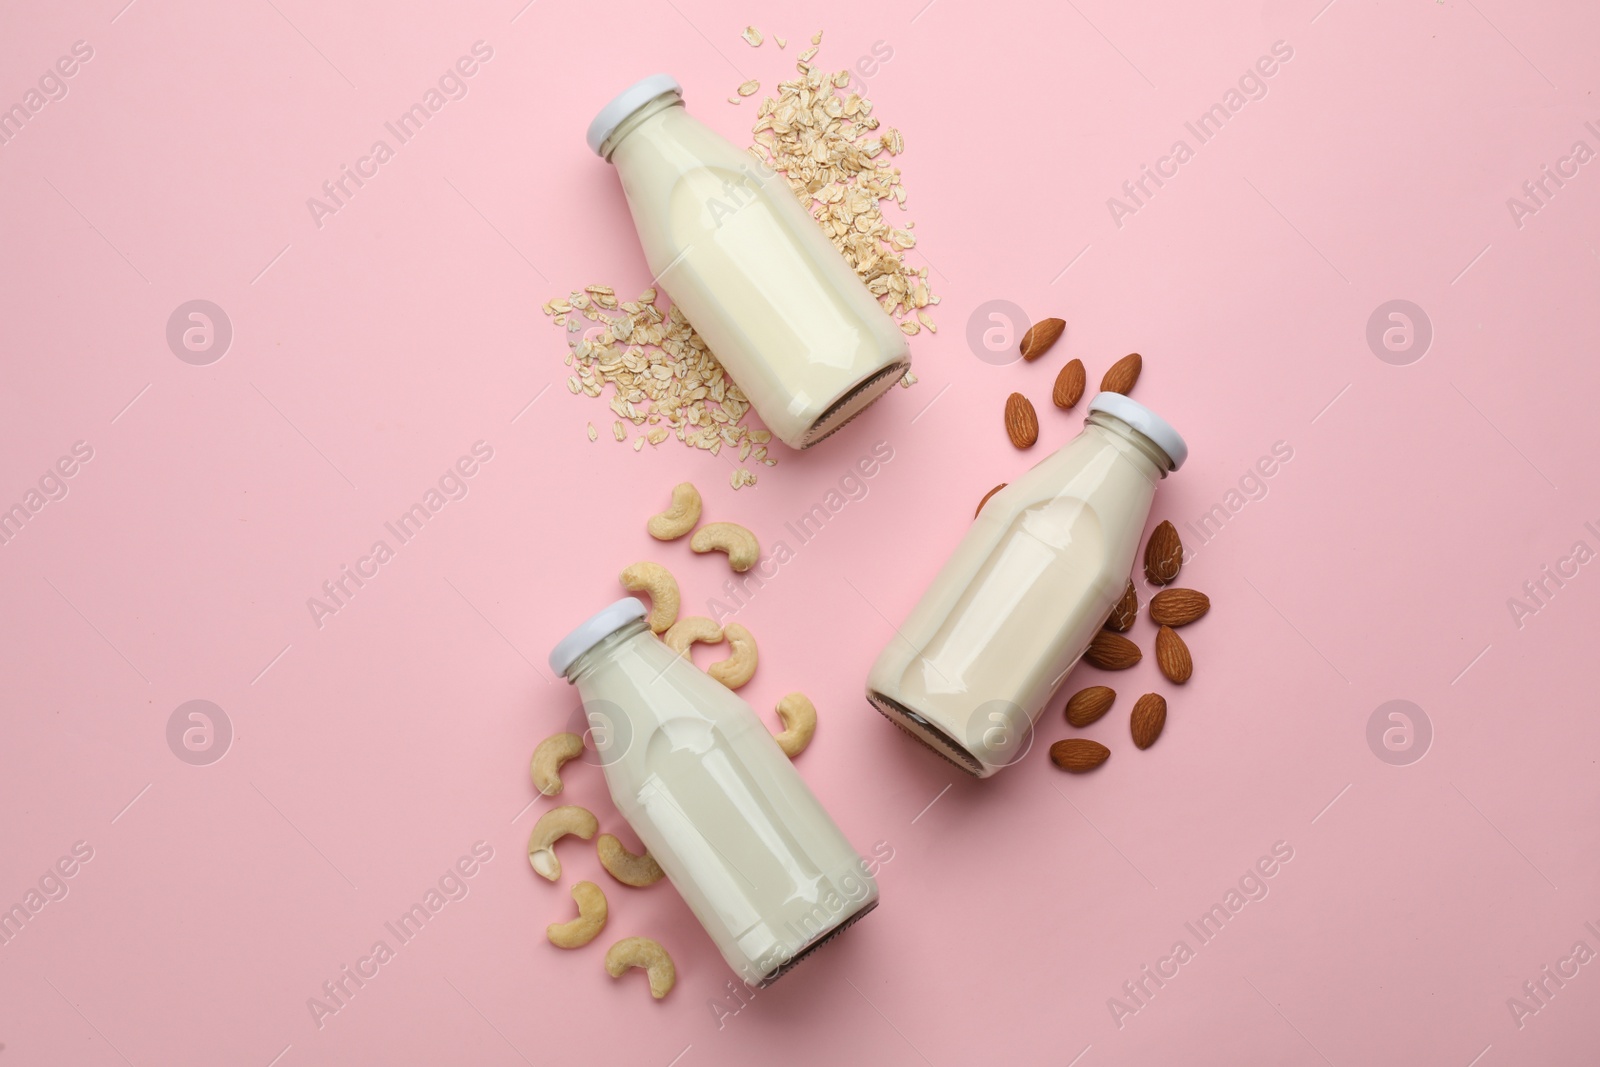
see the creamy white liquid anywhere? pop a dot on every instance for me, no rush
(1019, 600)
(712, 796)
(774, 300)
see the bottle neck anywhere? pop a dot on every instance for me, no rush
(602, 649)
(1144, 452)
(638, 118)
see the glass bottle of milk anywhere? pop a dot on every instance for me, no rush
(712, 796)
(729, 242)
(1025, 591)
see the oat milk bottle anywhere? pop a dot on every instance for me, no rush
(713, 797)
(1025, 591)
(729, 242)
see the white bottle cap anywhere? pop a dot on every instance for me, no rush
(1146, 422)
(603, 623)
(626, 103)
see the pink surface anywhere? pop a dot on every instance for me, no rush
(371, 752)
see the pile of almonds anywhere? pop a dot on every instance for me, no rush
(1170, 609)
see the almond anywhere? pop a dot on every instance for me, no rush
(1172, 656)
(1022, 425)
(986, 497)
(1122, 375)
(1163, 554)
(1040, 337)
(1111, 652)
(1127, 610)
(1178, 607)
(1069, 385)
(1149, 716)
(1087, 705)
(1078, 754)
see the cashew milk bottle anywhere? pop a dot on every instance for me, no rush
(1025, 591)
(729, 242)
(712, 796)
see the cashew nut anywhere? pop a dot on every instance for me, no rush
(624, 866)
(552, 826)
(799, 717)
(740, 544)
(740, 666)
(643, 952)
(586, 927)
(680, 518)
(689, 629)
(656, 580)
(545, 767)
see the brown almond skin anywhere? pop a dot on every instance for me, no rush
(1087, 705)
(1078, 754)
(1122, 376)
(1172, 656)
(1178, 607)
(1022, 423)
(1041, 337)
(1111, 652)
(1126, 612)
(986, 497)
(1069, 385)
(1148, 718)
(1163, 554)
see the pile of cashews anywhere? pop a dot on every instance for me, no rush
(796, 712)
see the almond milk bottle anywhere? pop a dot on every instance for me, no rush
(712, 796)
(1025, 591)
(729, 242)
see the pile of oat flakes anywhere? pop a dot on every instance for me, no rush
(665, 381)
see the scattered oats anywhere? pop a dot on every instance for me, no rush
(783, 42)
(741, 477)
(806, 56)
(638, 443)
(816, 38)
(733, 100)
(573, 386)
(909, 328)
(909, 380)
(752, 36)
(749, 88)
(893, 141)
(594, 434)
(927, 323)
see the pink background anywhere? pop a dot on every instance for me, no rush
(368, 354)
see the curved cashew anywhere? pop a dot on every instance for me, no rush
(799, 717)
(643, 952)
(740, 666)
(586, 927)
(689, 629)
(740, 544)
(624, 866)
(656, 580)
(680, 518)
(545, 767)
(552, 826)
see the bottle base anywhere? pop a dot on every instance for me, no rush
(931, 736)
(817, 942)
(859, 397)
